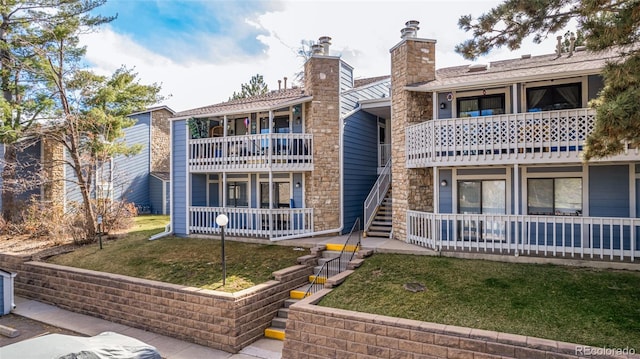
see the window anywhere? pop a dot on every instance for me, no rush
(237, 195)
(554, 196)
(281, 194)
(481, 106)
(482, 196)
(559, 97)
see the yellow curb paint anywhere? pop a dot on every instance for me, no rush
(320, 280)
(274, 334)
(296, 294)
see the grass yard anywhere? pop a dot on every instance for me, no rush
(576, 305)
(185, 261)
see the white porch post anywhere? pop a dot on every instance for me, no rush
(224, 189)
(436, 206)
(224, 126)
(271, 149)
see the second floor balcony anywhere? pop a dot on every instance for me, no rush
(533, 137)
(254, 153)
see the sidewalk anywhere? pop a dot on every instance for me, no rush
(168, 347)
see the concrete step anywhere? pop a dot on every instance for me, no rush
(380, 228)
(289, 302)
(331, 272)
(381, 223)
(355, 263)
(300, 292)
(378, 234)
(330, 254)
(283, 313)
(279, 323)
(274, 333)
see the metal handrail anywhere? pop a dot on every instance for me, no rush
(377, 194)
(330, 267)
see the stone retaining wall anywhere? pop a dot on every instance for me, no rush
(320, 332)
(225, 321)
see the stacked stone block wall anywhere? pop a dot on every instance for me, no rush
(160, 145)
(322, 119)
(53, 167)
(412, 61)
(320, 332)
(224, 321)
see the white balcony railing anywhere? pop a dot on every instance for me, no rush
(384, 153)
(551, 136)
(377, 194)
(277, 151)
(602, 238)
(252, 222)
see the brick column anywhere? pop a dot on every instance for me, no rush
(322, 119)
(53, 167)
(412, 61)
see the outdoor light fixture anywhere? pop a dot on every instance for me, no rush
(297, 184)
(443, 105)
(222, 220)
(443, 183)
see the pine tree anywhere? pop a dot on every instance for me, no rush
(255, 87)
(24, 35)
(605, 24)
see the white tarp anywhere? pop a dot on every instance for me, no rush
(107, 345)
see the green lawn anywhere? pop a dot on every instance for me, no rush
(186, 261)
(577, 305)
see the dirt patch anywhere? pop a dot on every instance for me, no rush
(28, 328)
(26, 245)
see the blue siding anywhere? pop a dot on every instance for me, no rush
(609, 191)
(214, 194)
(167, 199)
(446, 112)
(131, 174)
(155, 194)
(638, 198)
(446, 193)
(1, 295)
(554, 169)
(360, 164)
(481, 171)
(29, 159)
(297, 192)
(179, 180)
(199, 189)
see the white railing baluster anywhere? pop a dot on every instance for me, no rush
(539, 235)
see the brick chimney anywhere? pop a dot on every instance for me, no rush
(412, 61)
(322, 119)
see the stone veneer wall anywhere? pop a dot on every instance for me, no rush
(412, 61)
(53, 167)
(160, 145)
(225, 321)
(321, 332)
(322, 119)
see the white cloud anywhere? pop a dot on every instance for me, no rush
(362, 33)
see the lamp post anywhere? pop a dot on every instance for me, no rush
(222, 220)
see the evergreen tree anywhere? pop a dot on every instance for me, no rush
(24, 35)
(255, 87)
(605, 24)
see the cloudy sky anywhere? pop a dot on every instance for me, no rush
(201, 51)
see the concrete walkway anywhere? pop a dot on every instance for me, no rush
(171, 348)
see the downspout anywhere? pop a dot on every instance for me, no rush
(341, 166)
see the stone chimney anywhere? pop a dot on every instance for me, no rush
(322, 120)
(412, 61)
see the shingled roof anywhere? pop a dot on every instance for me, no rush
(270, 100)
(521, 69)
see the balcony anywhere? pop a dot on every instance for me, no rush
(533, 137)
(252, 222)
(593, 238)
(252, 153)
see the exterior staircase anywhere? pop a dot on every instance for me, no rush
(328, 252)
(381, 226)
